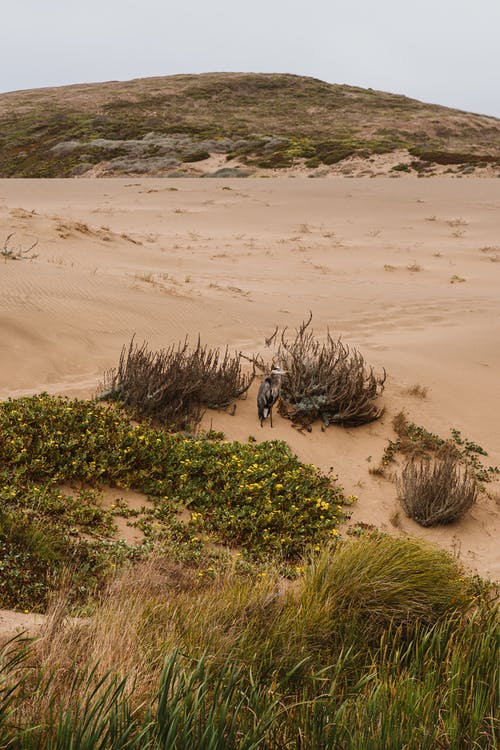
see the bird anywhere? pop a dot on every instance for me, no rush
(269, 392)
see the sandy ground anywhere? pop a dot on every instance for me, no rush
(408, 271)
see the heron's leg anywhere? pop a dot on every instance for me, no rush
(271, 415)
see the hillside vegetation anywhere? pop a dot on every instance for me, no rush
(170, 125)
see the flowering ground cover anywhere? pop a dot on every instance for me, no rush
(258, 498)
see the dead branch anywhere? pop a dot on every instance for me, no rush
(270, 339)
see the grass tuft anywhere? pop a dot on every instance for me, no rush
(436, 492)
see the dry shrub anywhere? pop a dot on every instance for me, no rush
(174, 386)
(436, 491)
(417, 390)
(327, 380)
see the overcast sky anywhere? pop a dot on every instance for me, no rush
(440, 51)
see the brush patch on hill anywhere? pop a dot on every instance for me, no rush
(258, 122)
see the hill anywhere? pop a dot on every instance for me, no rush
(242, 122)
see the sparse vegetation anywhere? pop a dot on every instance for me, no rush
(436, 491)
(414, 267)
(9, 252)
(417, 390)
(415, 442)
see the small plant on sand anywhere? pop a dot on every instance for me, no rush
(436, 491)
(326, 380)
(17, 253)
(415, 442)
(174, 386)
(417, 390)
(414, 267)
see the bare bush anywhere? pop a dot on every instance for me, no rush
(436, 491)
(326, 380)
(174, 386)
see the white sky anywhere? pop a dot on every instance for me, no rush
(440, 51)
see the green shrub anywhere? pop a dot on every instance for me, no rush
(333, 151)
(450, 157)
(195, 156)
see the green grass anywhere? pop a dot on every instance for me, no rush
(373, 642)
(382, 643)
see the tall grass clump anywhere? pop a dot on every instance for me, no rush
(174, 386)
(338, 608)
(358, 588)
(326, 380)
(436, 491)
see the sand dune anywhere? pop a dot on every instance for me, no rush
(406, 270)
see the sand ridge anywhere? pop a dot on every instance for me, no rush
(407, 270)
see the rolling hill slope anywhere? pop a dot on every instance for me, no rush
(172, 125)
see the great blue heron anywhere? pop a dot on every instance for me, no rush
(268, 394)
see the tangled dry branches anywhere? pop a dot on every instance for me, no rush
(326, 380)
(174, 386)
(436, 491)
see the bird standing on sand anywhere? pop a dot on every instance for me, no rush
(268, 394)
